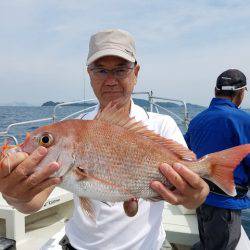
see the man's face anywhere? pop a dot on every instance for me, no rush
(113, 78)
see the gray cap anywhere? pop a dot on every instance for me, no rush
(111, 42)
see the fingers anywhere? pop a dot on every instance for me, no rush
(41, 187)
(10, 161)
(166, 194)
(190, 177)
(28, 166)
(28, 188)
(36, 178)
(175, 179)
(31, 162)
(19, 195)
(196, 187)
(172, 175)
(191, 190)
(181, 177)
(25, 182)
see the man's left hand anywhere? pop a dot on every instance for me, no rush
(191, 190)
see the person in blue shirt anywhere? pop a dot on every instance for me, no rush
(222, 125)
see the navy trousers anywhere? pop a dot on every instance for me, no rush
(219, 228)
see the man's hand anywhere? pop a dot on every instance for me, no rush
(191, 191)
(19, 180)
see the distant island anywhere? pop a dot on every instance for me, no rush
(50, 103)
(140, 102)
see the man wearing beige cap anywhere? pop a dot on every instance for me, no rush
(113, 72)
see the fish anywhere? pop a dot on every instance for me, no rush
(114, 158)
(6, 149)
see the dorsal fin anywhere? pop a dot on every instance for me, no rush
(115, 116)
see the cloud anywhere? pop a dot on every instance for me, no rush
(182, 45)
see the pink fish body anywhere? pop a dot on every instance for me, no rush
(114, 158)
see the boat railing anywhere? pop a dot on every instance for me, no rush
(7, 133)
(154, 106)
(59, 105)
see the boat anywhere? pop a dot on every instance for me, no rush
(43, 229)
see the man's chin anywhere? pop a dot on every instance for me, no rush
(112, 96)
(116, 100)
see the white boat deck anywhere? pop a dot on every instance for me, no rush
(31, 232)
(180, 225)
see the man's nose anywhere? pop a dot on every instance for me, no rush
(111, 80)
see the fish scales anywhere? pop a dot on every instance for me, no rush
(127, 161)
(114, 158)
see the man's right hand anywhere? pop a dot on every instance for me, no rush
(20, 182)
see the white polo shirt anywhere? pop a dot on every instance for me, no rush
(113, 229)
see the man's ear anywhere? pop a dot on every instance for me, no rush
(238, 98)
(136, 70)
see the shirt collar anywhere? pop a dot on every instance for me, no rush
(222, 102)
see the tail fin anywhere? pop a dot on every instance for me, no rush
(223, 163)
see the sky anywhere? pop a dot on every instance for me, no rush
(182, 46)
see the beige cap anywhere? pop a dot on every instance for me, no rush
(112, 42)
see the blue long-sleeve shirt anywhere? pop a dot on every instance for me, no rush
(219, 127)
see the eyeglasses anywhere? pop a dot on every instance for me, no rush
(118, 73)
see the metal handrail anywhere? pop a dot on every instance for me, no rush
(68, 103)
(151, 98)
(172, 113)
(184, 120)
(53, 118)
(153, 105)
(78, 112)
(11, 137)
(27, 122)
(6, 132)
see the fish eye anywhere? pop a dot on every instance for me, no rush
(46, 140)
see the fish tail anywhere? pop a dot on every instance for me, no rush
(223, 164)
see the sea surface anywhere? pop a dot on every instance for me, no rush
(16, 114)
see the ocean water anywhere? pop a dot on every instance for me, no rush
(10, 115)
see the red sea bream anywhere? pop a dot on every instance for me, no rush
(113, 158)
